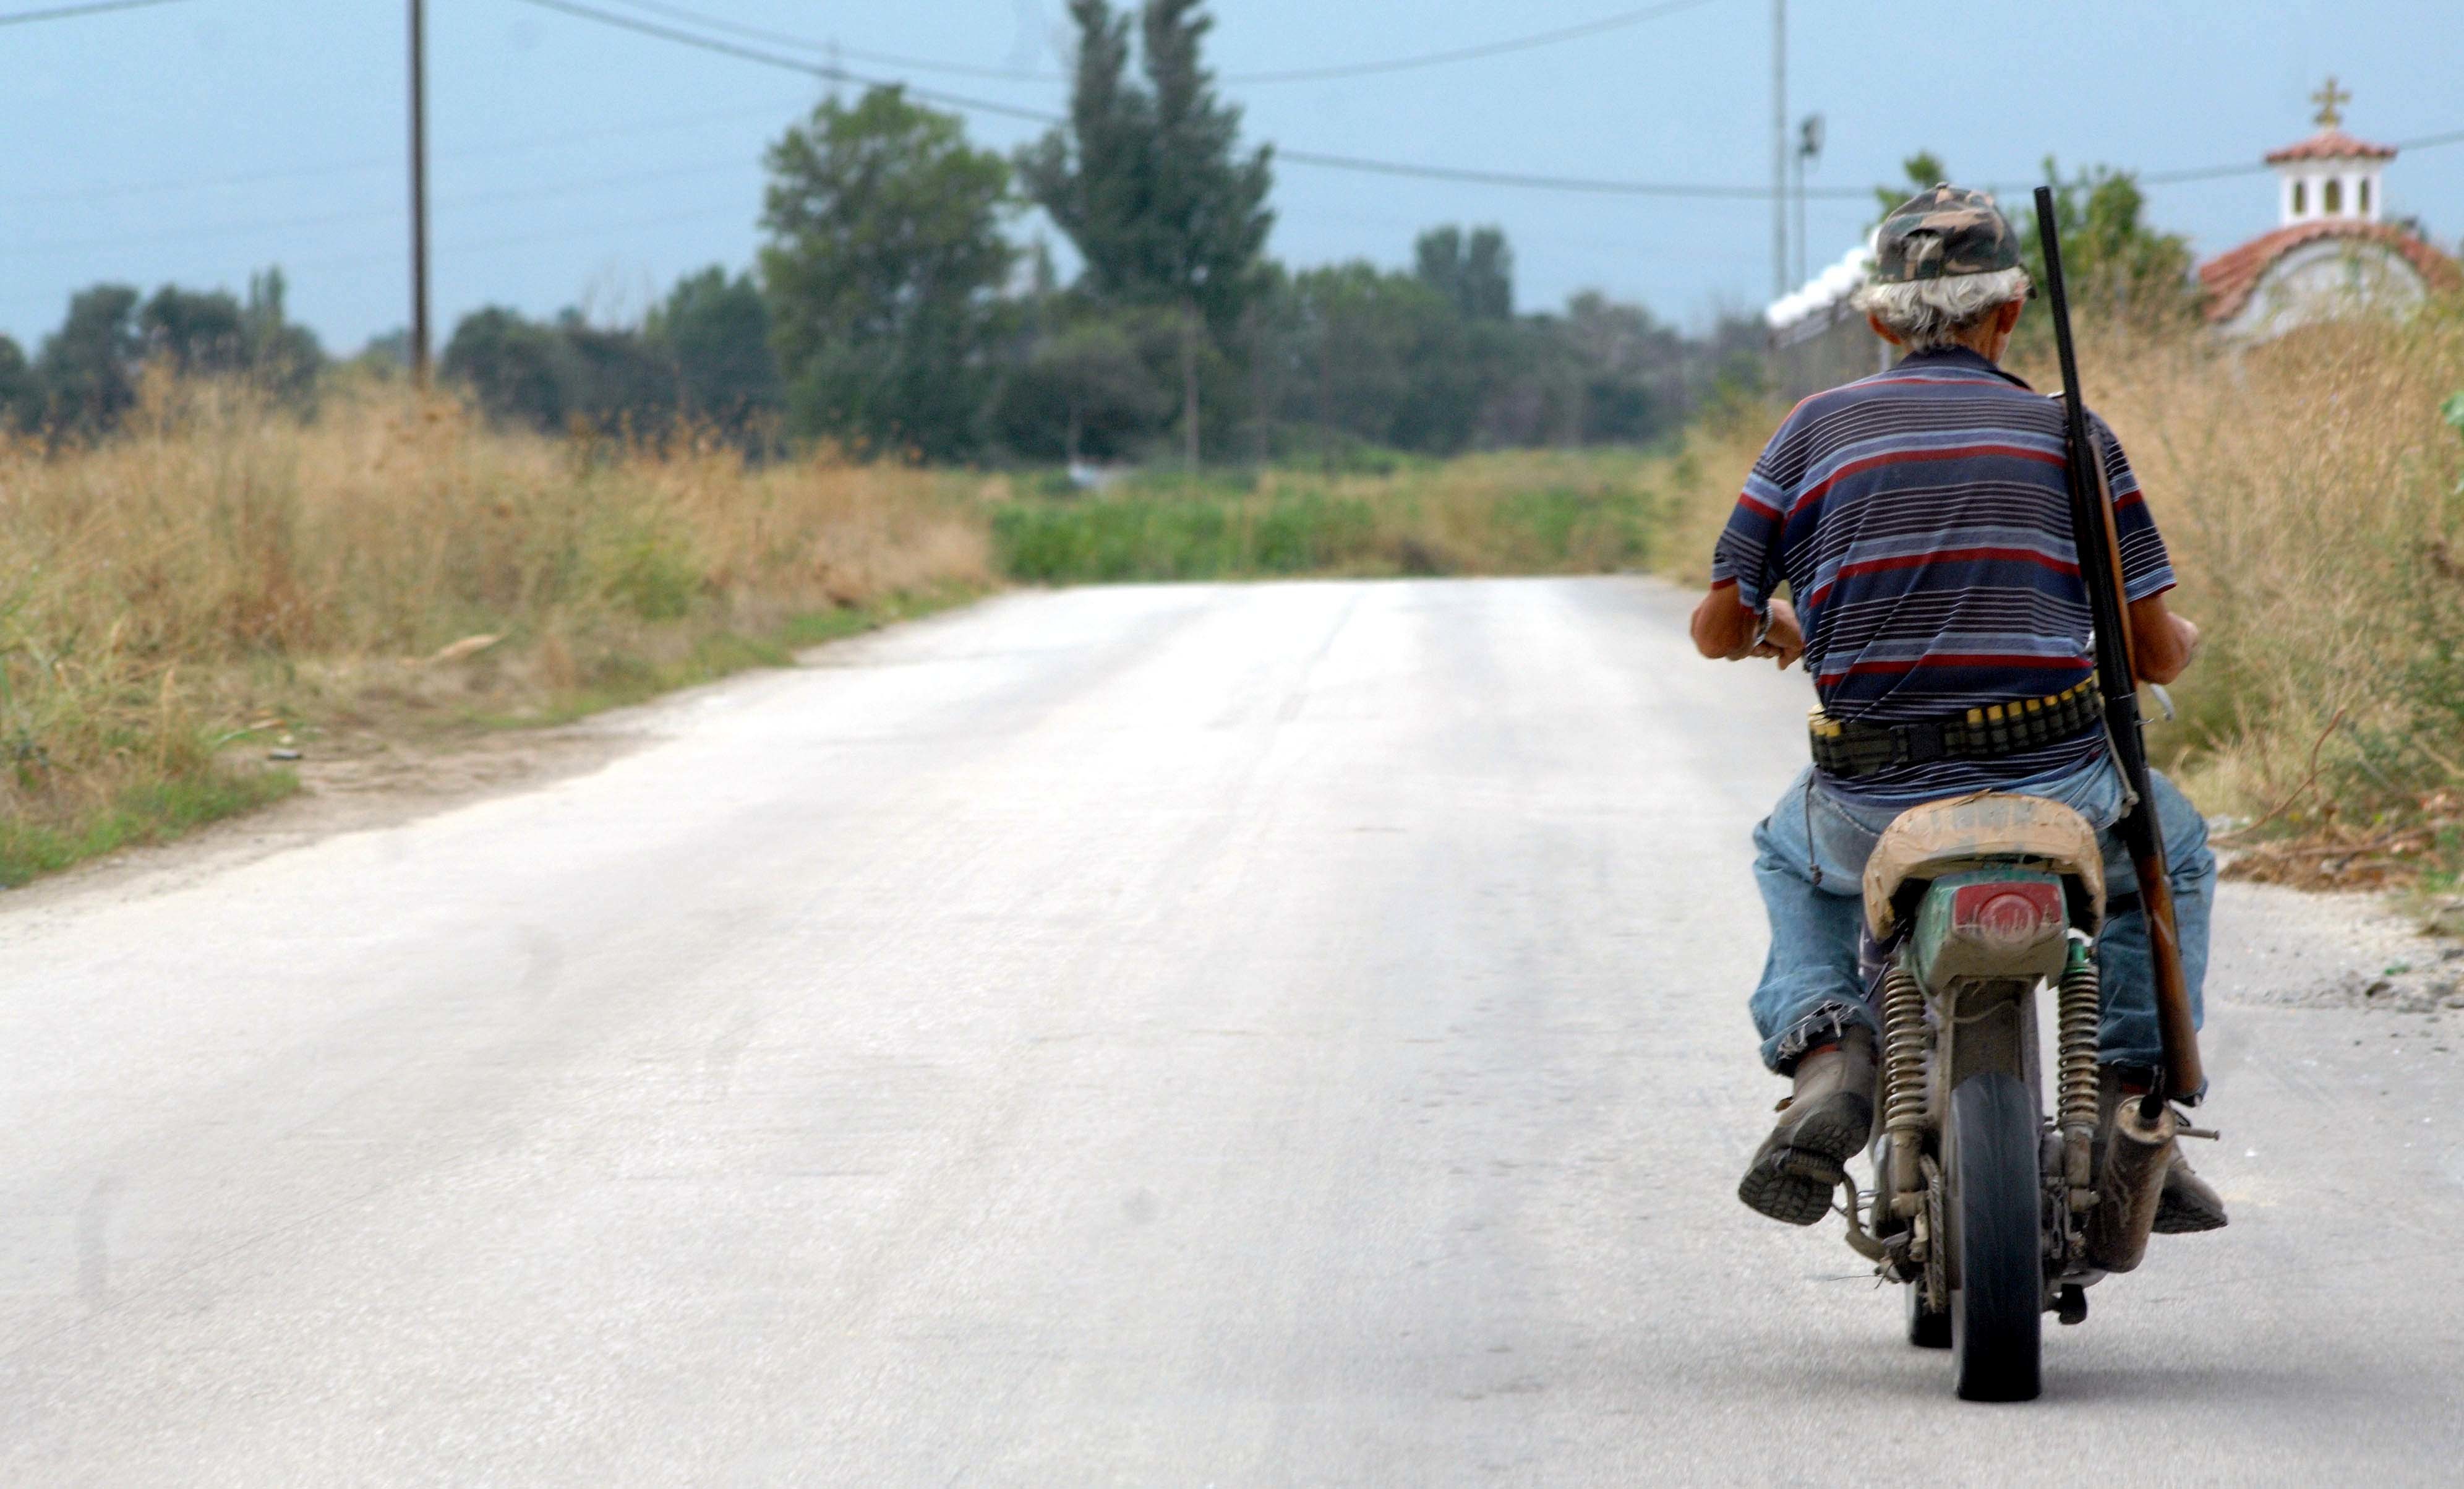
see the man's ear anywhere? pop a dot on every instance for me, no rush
(1881, 330)
(2012, 311)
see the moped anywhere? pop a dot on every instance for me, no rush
(1991, 1205)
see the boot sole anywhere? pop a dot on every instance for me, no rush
(1793, 1183)
(2182, 1215)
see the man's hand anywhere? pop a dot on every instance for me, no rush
(1784, 640)
(2162, 643)
(1724, 630)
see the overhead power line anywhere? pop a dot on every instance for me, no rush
(1470, 175)
(1399, 64)
(364, 164)
(1579, 184)
(2259, 167)
(1349, 163)
(780, 38)
(68, 12)
(1545, 39)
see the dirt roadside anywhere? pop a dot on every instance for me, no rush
(361, 785)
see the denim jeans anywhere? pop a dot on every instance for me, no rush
(1810, 860)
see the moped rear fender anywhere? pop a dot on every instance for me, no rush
(1990, 926)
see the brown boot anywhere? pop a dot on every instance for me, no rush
(1825, 1122)
(2189, 1203)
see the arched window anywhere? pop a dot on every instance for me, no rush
(2301, 198)
(2362, 193)
(2331, 198)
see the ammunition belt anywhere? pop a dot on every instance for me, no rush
(1847, 750)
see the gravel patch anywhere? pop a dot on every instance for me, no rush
(2293, 948)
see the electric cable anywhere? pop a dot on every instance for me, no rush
(393, 163)
(1524, 43)
(523, 193)
(1349, 163)
(66, 12)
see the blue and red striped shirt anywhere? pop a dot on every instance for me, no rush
(1921, 524)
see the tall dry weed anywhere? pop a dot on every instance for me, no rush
(221, 564)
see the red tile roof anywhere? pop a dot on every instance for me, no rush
(2229, 278)
(2331, 144)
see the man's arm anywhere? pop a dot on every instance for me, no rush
(1724, 629)
(2162, 643)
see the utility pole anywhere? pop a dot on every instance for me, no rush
(1779, 149)
(419, 340)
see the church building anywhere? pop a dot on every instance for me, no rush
(2331, 253)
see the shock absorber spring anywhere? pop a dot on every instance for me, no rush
(2077, 1015)
(1904, 1059)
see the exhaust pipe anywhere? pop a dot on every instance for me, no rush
(2131, 1183)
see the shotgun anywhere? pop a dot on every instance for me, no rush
(2099, 554)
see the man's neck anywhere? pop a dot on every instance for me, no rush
(1988, 342)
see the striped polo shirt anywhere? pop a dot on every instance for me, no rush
(1921, 524)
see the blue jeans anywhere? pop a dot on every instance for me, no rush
(1810, 859)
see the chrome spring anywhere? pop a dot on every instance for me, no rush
(1904, 1058)
(2077, 1017)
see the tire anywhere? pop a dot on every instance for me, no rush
(1926, 1329)
(1997, 1308)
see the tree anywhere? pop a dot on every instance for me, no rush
(208, 333)
(88, 367)
(21, 393)
(510, 367)
(1921, 171)
(1377, 356)
(1477, 275)
(197, 332)
(612, 380)
(716, 332)
(1097, 379)
(883, 253)
(2115, 266)
(1147, 182)
(282, 355)
(1627, 372)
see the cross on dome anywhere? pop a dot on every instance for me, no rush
(2331, 102)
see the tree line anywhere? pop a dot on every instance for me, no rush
(893, 310)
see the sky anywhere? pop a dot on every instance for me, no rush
(575, 163)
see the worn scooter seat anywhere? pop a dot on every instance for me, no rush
(1976, 831)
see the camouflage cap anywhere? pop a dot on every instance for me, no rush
(1942, 232)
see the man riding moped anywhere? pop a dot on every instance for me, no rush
(1920, 520)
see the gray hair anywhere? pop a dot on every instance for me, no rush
(1927, 315)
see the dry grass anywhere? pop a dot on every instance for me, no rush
(2308, 490)
(221, 576)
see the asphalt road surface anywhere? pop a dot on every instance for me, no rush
(1282, 1034)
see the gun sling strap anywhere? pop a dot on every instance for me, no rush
(1848, 750)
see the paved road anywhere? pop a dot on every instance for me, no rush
(1287, 1034)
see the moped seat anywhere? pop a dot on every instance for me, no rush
(1985, 829)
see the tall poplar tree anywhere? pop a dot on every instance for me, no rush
(1150, 182)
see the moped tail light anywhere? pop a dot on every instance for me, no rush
(2009, 913)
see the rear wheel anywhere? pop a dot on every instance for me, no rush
(1998, 1306)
